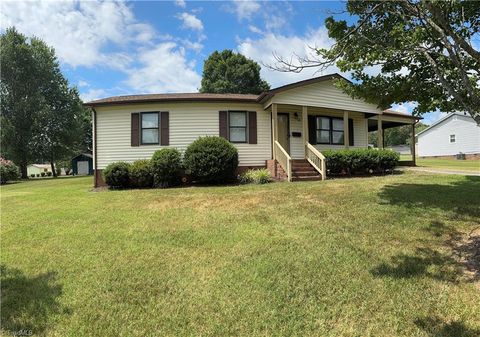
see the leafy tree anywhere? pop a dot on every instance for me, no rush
(400, 135)
(229, 72)
(20, 96)
(42, 117)
(423, 48)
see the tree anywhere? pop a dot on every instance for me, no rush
(423, 48)
(229, 72)
(20, 96)
(400, 135)
(42, 118)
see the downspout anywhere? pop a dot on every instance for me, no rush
(94, 133)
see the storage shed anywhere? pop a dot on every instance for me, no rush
(82, 164)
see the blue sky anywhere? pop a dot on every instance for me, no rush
(114, 48)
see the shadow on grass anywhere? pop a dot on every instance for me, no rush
(461, 197)
(28, 302)
(436, 327)
(459, 262)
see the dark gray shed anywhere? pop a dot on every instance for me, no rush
(82, 164)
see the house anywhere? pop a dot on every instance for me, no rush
(38, 169)
(82, 164)
(284, 129)
(456, 133)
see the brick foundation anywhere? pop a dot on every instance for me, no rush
(473, 156)
(276, 171)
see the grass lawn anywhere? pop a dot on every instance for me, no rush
(347, 257)
(447, 164)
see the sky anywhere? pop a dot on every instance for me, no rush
(118, 48)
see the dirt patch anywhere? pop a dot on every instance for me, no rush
(467, 252)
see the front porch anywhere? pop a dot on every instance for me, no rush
(300, 133)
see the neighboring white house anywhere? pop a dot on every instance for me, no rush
(38, 169)
(290, 123)
(453, 134)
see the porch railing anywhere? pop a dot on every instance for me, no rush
(316, 159)
(283, 159)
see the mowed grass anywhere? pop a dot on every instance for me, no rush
(347, 257)
(446, 164)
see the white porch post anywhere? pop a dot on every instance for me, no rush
(379, 132)
(414, 159)
(346, 133)
(274, 128)
(305, 125)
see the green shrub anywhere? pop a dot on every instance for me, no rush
(49, 174)
(42, 174)
(8, 171)
(141, 173)
(32, 175)
(117, 175)
(166, 167)
(261, 176)
(59, 171)
(360, 161)
(38, 175)
(211, 160)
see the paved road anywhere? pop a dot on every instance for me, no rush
(444, 171)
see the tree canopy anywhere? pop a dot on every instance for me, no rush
(400, 135)
(423, 50)
(229, 72)
(42, 117)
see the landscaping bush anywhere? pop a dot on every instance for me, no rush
(8, 171)
(166, 167)
(49, 174)
(141, 173)
(42, 174)
(59, 171)
(211, 160)
(32, 175)
(261, 176)
(38, 175)
(117, 175)
(360, 161)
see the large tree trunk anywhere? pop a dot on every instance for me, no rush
(52, 165)
(23, 170)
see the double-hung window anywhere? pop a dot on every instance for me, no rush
(237, 124)
(452, 138)
(150, 128)
(329, 130)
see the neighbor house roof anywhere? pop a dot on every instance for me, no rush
(43, 166)
(450, 114)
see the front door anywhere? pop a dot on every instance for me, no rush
(284, 131)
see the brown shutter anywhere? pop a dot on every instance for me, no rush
(135, 132)
(312, 130)
(350, 132)
(252, 127)
(164, 128)
(223, 119)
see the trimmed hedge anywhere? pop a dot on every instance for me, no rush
(166, 167)
(211, 159)
(117, 175)
(360, 161)
(141, 173)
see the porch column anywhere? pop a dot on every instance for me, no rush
(274, 128)
(346, 133)
(379, 132)
(305, 125)
(414, 159)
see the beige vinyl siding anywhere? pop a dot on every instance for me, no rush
(188, 121)
(323, 94)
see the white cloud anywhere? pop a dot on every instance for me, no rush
(93, 94)
(262, 50)
(181, 3)
(164, 69)
(406, 107)
(190, 21)
(78, 30)
(246, 9)
(82, 84)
